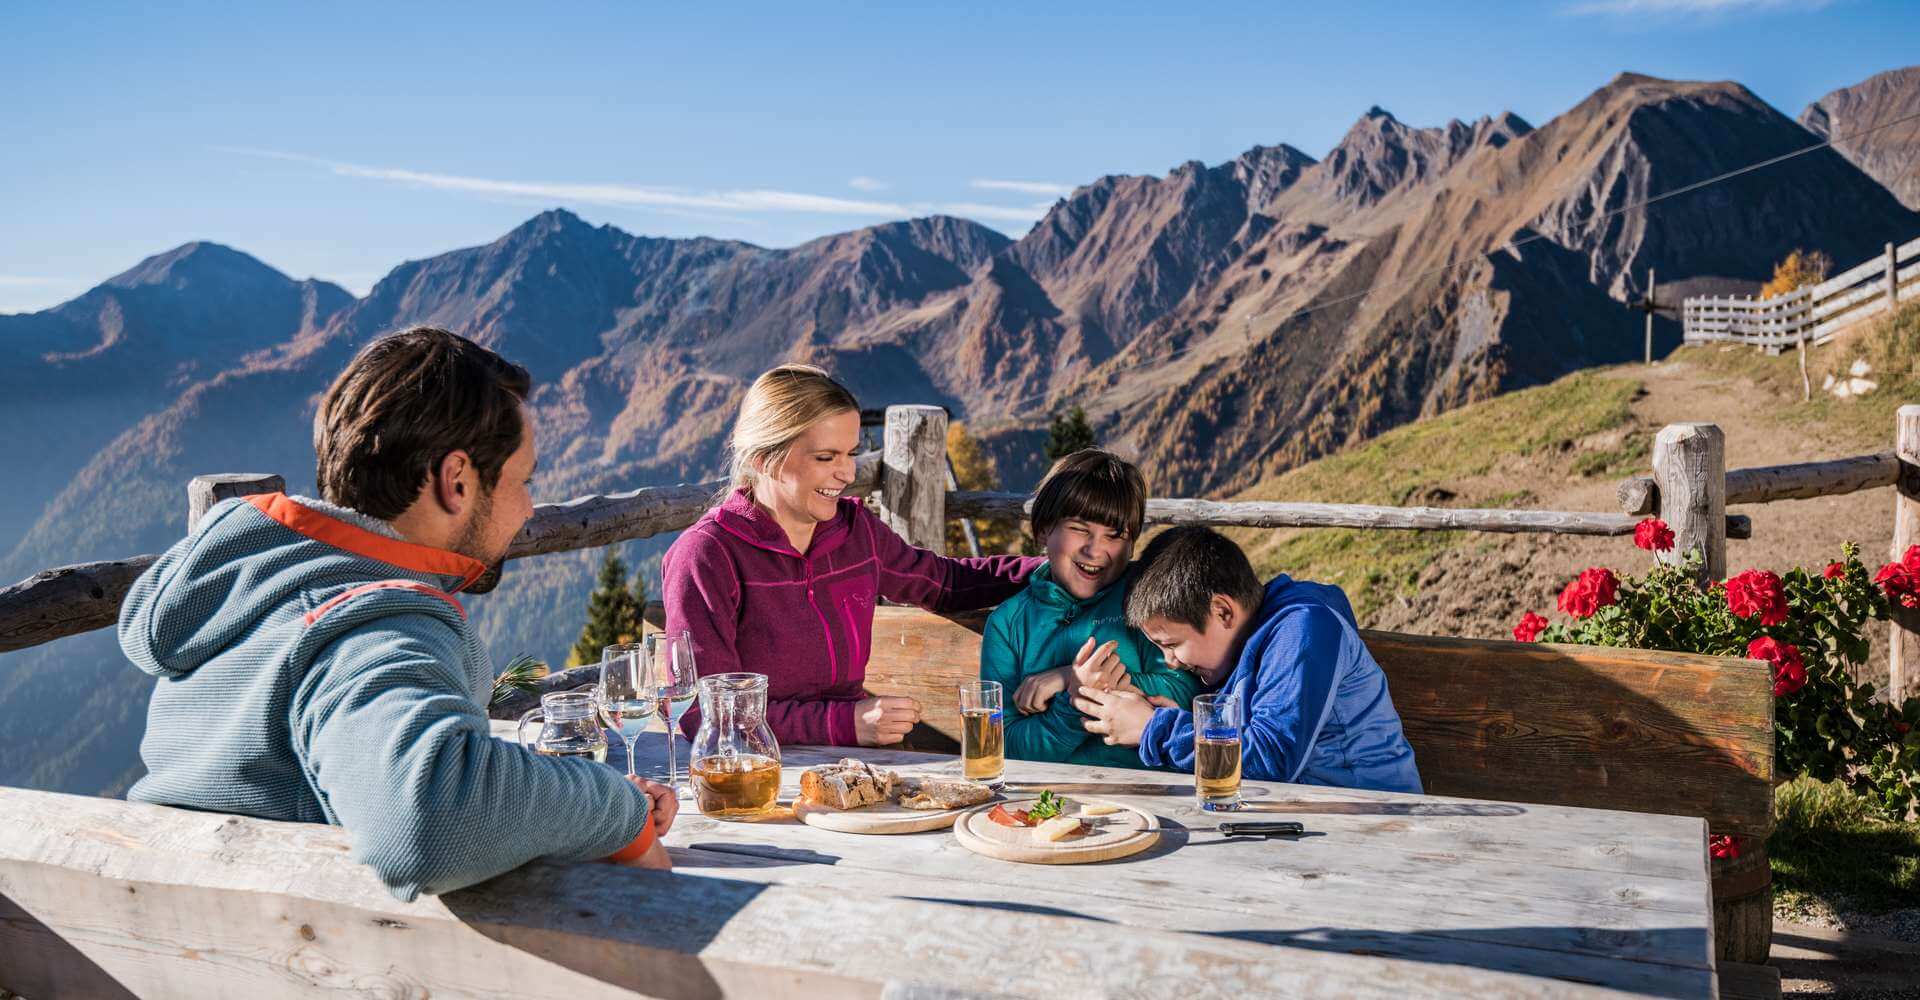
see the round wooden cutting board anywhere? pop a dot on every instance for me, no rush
(1114, 835)
(881, 817)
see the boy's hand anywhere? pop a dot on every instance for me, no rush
(883, 719)
(1099, 668)
(1120, 716)
(1038, 689)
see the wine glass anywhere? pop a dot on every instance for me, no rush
(625, 703)
(673, 683)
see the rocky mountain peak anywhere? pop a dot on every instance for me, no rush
(1865, 123)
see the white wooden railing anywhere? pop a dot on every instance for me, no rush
(1811, 314)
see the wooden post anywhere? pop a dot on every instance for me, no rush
(1893, 279)
(1690, 469)
(205, 491)
(1651, 304)
(1903, 637)
(913, 475)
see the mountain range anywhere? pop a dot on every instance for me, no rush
(1220, 324)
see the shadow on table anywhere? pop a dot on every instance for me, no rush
(1385, 808)
(635, 930)
(1558, 953)
(995, 904)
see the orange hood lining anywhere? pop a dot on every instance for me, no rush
(332, 531)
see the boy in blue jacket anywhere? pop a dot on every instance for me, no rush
(1316, 703)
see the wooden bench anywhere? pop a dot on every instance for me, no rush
(1624, 729)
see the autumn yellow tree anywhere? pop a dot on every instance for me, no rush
(975, 469)
(1799, 269)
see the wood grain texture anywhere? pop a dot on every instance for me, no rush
(592, 521)
(205, 491)
(879, 819)
(913, 475)
(1903, 638)
(167, 902)
(1764, 484)
(1690, 466)
(66, 600)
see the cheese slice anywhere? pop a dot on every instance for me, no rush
(1100, 809)
(1056, 828)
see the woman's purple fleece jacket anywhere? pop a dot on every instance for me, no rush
(806, 621)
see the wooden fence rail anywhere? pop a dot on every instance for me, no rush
(1811, 314)
(911, 470)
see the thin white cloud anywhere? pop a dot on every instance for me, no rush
(1023, 187)
(1009, 213)
(1685, 7)
(665, 199)
(867, 184)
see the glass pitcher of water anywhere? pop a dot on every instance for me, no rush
(735, 759)
(567, 727)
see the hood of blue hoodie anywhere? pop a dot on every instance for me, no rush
(260, 558)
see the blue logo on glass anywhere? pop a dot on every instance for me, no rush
(1220, 733)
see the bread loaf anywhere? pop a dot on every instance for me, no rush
(942, 793)
(850, 784)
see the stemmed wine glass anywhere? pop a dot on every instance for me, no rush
(625, 703)
(672, 682)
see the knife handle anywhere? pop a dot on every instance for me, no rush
(1261, 829)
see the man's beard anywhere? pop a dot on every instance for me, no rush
(472, 544)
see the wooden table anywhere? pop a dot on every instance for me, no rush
(1387, 894)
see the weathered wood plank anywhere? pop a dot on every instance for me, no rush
(1637, 730)
(169, 902)
(913, 477)
(1764, 484)
(1690, 466)
(1903, 637)
(205, 491)
(592, 521)
(1265, 514)
(66, 600)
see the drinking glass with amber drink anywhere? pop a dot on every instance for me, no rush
(1217, 721)
(735, 762)
(983, 733)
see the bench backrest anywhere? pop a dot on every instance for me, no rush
(1628, 729)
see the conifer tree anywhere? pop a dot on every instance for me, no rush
(1069, 433)
(612, 615)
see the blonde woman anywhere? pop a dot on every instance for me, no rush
(781, 578)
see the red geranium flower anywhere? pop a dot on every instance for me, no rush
(1530, 627)
(1653, 535)
(1757, 592)
(1789, 670)
(1723, 845)
(1901, 580)
(1834, 570)
(1595, 588)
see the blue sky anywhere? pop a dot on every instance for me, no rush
(339, 140)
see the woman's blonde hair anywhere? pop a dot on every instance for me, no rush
(779, 407)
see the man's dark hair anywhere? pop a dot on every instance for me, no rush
(1180, 572)
(1091, 485)
(404, 403)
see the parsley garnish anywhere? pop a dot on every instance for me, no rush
(1046, 807)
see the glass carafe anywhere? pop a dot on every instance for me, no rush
(735, 760)
(567, 727)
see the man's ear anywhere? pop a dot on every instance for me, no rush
(454, 482)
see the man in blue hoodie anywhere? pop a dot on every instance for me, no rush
(1316, 703)
(314, 664)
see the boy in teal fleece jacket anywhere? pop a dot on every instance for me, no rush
(1068, 628)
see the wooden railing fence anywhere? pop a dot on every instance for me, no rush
(1690, 488)
(1807, 315)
